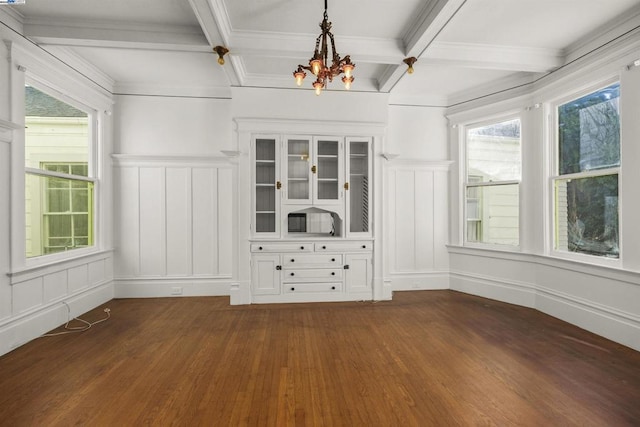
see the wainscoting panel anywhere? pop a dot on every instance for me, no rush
(417, 224)
(602, 300)
(175, 229)
(42, 297)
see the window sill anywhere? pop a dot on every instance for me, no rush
(56, 263)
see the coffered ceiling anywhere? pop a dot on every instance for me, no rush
(464, 47)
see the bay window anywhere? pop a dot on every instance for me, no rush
(585, 186)
(492, 183)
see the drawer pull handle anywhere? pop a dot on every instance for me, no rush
(293, 289)
(278, 267)
(293, 260)
(302, 248)
(333, 260)
(364, 246)
(260, 248)
(293, 274)
(333, 273)
(324, 247)
(333, 288)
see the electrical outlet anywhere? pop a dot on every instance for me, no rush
(176, 290)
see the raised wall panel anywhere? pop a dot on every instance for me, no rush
(78, 278)
(27, 295)
(96, 272)
(178, 216)
(424, 226)
(205, 224)
(55, 286)
(152, 222)
(440, 220)
(128, 222)
(405, 243)
(225, 222)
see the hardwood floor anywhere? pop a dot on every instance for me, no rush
(427, 358)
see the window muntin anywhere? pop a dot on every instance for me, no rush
(585, 190)
(492, 199)
(59, 186)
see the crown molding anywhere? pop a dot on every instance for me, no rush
(496, 57)
(610, 31)
(10, 16)
(171, 91)
(115, 34)
(70, 57)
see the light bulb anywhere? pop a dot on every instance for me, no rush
(221, 60)
(299, 75)
(316, 65)
(347, 82)
(348, 69)
(410, 69)
(317, 85)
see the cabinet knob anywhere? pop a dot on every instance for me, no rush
(324, 247)
(333, 260)
(333, 273)
(259, 247)
(333, 288)
(364, 246)
(293, 274)
(293, 289)
(293, 260)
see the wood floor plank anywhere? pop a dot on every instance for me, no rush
(425, 358)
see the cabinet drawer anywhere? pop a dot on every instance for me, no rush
(291, 275)
(299, 260)
(312, 287)
(282, 247)
(362, 246)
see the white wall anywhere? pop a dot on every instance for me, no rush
(32, 292)
(175, 224)
(600, 295)
(416, 199)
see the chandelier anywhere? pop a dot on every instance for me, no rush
(319, 63)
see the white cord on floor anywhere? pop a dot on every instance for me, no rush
(71, 330)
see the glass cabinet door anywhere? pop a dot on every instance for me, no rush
(266, 185)
(358, 175)
(328, 164)
(298, 170)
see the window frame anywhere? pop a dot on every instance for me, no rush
(554, 174)
(93, 148)
(466, 184)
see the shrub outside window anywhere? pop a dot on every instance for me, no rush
(588, 165)
(59, 187)
(493, 172)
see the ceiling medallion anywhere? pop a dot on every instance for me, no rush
(319, 63)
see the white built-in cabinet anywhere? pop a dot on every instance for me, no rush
(311, 237)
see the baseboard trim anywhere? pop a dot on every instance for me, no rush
(513, 292)
(29, 326)
(418, 281)
(608, 322)
(164, 287)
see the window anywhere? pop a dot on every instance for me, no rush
(586, 185)
(492, 201)
(59, 187)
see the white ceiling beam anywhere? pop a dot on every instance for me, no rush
(111, 34)
(214, 21)
(274, 45)
(431, 20)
